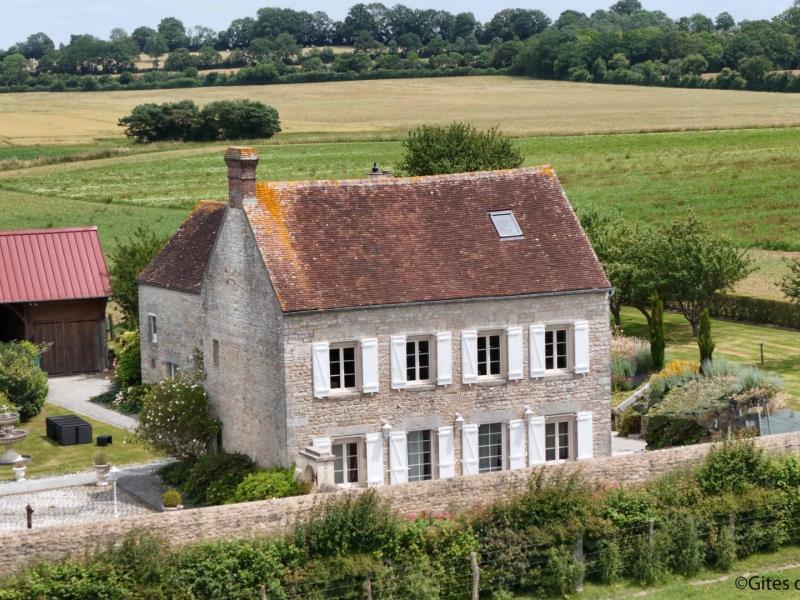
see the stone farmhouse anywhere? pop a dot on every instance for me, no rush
(386, 330)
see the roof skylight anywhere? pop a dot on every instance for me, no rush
(506, 225)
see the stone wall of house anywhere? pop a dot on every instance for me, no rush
(242, 319)
(433, 406)
(179, 330)
(276, 516)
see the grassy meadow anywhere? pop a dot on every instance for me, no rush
(522, 106)
(744, 181)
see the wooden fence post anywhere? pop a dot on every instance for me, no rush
(577, 554)
(263, 592)
(476, 576)
(368, 589)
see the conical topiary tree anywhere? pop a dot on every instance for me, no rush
(704, 341)
(656, 324)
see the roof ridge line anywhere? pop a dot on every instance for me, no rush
(50, 230)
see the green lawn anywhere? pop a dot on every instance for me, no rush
(735, 341)
(48, 458)
(709, 585)
(724, 175)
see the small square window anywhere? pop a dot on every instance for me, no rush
(343, 365)
(506, 225)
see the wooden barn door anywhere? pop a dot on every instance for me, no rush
(83, 346)
(52, 332)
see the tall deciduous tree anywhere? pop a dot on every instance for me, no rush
(128, 259)
(689, 264)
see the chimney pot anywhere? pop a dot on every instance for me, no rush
(242, 162)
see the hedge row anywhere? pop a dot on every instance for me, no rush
(756, 310)
(91, 84)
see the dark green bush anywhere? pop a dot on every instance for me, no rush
(22, 381)
(561, 574)
(237, 119)
(213, 478)
(608, 565)
(722, 549)
(267, 484)
(648, 559)
(756, 310)
(666, 431)
(733, 466)
(687, 550)
(168, 121)
(73, 580)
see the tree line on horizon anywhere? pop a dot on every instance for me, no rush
(624, 44)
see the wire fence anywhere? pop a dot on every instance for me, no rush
(462, 574)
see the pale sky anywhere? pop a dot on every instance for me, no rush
(60, 18)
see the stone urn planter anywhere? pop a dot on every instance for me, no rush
(101, 468)
(19, 471)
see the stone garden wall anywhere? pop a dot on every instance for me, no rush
(275, 516)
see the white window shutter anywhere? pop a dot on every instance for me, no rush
(469, 449)
(398, 360)
(322, 444)
(398, 458)
(581, 346)
(469, 356)
(536, 455)
(516, 444)
(369, 365)
(447, 453)
(514, 337)
(585, 435)
(374, 442)
(320, 359)
(444, 358)
(537, 350)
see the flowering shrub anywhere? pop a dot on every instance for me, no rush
(175, 418)
(630, 356)
(129, 399)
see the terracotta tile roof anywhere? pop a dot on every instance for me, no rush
(338, 244)
(182, 263)
(38, 265)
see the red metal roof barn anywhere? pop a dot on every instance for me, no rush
(54, 288)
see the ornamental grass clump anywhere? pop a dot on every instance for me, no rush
(175, 418)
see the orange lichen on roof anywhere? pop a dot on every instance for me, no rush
(272, 224)
(548, 170)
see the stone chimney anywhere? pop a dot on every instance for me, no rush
(242, 162)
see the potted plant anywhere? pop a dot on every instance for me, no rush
(171, 499)
(19, 470)
(101, 468)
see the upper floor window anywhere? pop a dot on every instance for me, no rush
(556, 349)
(343, 367)
(418, 360)
(490, 355)
(490, 447)
(152, 327)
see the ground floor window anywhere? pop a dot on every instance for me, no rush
(557, 440)
(346, 463)
(172, 370)
(490, 447)
(420, 462)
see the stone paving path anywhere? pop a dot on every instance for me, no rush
(82, 504)
(73, 392)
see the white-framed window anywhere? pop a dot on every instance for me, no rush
(556, 348)
(420, 455)
(558, 439)
(491, 357)
(152, 327)
(490, 447)
(418, 360)
(348, 466)
(343, 360)
(172, 369)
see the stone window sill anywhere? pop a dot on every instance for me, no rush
(491, 382)
(424, 387)
(345, 395)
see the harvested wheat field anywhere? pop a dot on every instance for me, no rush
(519, 106)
